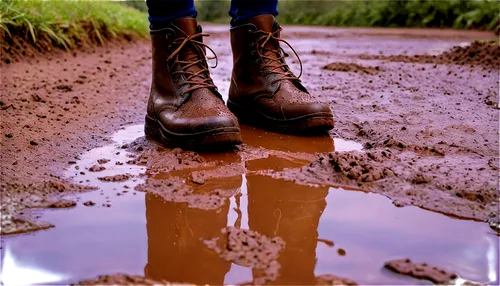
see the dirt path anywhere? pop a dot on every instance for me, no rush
(429, 127)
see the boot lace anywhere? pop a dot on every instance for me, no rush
(276, 64)
(197, 79)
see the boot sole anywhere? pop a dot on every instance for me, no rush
(316, 123)
(215, 139)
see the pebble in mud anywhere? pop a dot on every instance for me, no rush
(116, 178)
(341, 252)
(63, 204)
(251, 249)
(102, 161)
(97, 168)
(420, 271)
(89, 203)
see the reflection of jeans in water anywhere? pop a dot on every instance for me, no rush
(163, 11)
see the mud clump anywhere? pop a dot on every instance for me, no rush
(175, 190)
(421, 271)
(351, 67)
(477, 54)
(330, 279)
(97, 168)
(361, 167)
(251, 249)
(122, 279)
(231, 170)
(14, 224)
(116, 178)
(62, 204)
(89, 203)
(164, 160)
(494, 222)
(102, 161)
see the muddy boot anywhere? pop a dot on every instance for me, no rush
(264, 92)
(184, 108)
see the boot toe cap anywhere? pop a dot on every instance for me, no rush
(198, 125)
(299, 110)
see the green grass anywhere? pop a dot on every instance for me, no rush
(460, 14)
(68, 24)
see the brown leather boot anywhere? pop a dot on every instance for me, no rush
(263, 91)
(184, 108)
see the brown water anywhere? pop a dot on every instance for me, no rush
(326, 230)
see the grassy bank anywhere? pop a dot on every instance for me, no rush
(461, 14)
(66, 24)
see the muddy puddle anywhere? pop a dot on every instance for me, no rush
(158, 221)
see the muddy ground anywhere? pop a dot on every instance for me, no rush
(426, 114)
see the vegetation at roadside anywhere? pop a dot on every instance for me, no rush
(137, 4)
(66, 24)
(462, 14)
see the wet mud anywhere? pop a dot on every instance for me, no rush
(351, 67)
(278, 209)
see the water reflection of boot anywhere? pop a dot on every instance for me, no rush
(283, 208)
(292, 212)
(175, 252)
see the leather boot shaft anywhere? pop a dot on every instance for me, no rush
(263, 90)
(185, 108)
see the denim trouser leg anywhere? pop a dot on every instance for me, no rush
(163, 11)
(242, 10)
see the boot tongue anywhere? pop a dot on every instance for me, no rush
(267, 23)
(188, 26)
(263, 22)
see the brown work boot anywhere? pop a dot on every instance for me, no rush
(264, 92)
(184, 108)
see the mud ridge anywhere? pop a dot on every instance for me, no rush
(17, 197)
(352, 67)
(484, 54)
(450, 186)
